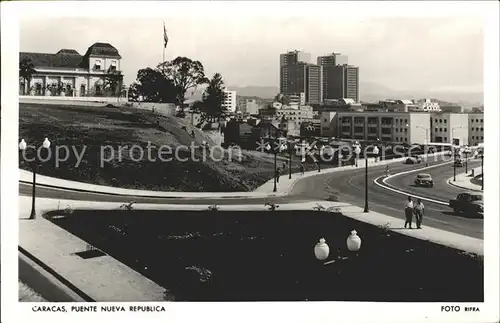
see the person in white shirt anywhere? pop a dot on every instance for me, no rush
(409, 212)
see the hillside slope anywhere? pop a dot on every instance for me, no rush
(107, 136)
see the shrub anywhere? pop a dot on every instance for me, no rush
(127, 206)
(68, 211)
(271, 206)
(213, 208)
(319, 208)
(385, 227)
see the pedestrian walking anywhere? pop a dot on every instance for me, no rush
(419, 213)
(278, 173)
(409, 212)
(302, 168)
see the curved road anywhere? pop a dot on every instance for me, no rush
(442, 190)
(349, 184)
(351, 189)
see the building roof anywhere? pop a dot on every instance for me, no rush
(61, 59)
(70, 58)
(102, 49)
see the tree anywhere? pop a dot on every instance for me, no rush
(185, 74)
(26, 71)
(153, 86)
(213, 97)
(113, 81)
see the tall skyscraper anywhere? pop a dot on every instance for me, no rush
(298, 75)
(294, 57)
(342, 82)
(302, 78)
(314, 87)
(339, 79)
(333, 59)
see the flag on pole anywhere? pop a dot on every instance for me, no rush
(165, 37)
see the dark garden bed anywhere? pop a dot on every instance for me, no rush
(268, 256)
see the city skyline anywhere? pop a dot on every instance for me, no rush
(391, 52)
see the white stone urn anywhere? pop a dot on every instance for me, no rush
(321, 250)
(353, 241)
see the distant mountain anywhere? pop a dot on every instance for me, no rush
(373, 92)
(369, 92)
(263, 92)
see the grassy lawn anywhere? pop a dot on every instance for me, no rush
(268, 256)
(94, 127)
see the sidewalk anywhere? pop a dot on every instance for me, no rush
(266, 190)
(101, 278)
(466, 181)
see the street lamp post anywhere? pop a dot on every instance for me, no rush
(454, 164)
(375, 152)
(482, 173)
(274, 147)
(466, 153)
(426, 133)
(290, 147)
(23, 146)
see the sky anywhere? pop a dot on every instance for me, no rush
(401, 53)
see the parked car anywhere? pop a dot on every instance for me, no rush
(424, 180)
(413, 160)
(468, 203)
(459, 163)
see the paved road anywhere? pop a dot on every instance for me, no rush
(350, 185)
(441, 190)
(351, 189)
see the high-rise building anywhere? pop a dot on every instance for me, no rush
(302, 78)
(333, 59)
(314, 84)
(298, 75)
(229, 101)
(293, 78)
(294, 57)
(340, 81)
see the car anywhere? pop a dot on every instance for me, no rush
(459, 163)
(424, 180)
(470, 204)
(413, 160)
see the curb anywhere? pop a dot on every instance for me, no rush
(399, 191)
(264, 194)
(151, 197)
(392, 188)
(450, 182)
(45, 272)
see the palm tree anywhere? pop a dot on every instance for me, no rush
(26, 71)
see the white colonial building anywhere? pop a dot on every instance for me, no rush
(67, 73)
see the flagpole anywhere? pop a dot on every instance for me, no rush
(163, 61)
